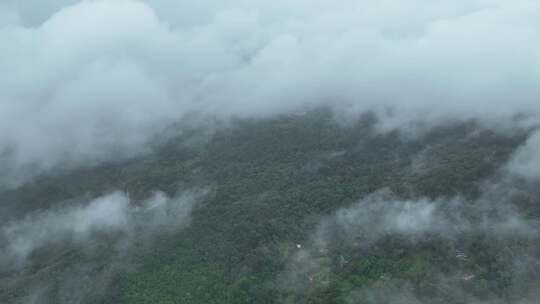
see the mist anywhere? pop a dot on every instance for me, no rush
(86, 82)
(111, 216)
(103, 235)
(489, 225)
(526, 161)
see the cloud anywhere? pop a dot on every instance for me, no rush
(107, 213)
(493, 223)
(35, 12)
(525, 161)
(112, 215)
(75, 252)
(88, 81)
(9, 16)
(381, 214)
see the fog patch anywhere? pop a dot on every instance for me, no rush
(383, 225)
(526, 160)
(382, 214)
(112, 216)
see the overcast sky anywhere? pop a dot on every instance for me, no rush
(84, 80)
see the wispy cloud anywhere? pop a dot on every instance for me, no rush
(113, 215)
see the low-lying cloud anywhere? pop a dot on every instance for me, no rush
(111, 215)
(88, 81)
(358, 233)
(75, 253)
(381, 215)
(526, 160)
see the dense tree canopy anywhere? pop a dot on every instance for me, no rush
(272, 184)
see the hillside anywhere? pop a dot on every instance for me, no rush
(288, 209)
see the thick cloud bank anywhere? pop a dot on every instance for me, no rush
(87, 81)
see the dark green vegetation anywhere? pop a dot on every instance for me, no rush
(272, 181)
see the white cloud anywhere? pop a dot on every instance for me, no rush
(107, 213)
(381, 214)
(353, 233)
(84, 81)
(526, 160)
(9, 16)
(111, 214)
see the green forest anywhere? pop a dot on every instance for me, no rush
(298, 208)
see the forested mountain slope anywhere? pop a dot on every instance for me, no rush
(288, 209)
